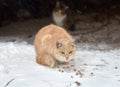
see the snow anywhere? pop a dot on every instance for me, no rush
(18, 68)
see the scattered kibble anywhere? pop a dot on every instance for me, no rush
(85, 64)
(67, 67)
(116, 67)
(71, 76)
(72, 65)
(75, 70)
(63, 67)
(61, 70)
(58, 67)
(77, 83)
(91, 73)
(78, 72)
(66, 62)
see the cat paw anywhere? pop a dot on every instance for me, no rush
(51, 63)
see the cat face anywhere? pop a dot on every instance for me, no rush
(60, 9)
(65, 51)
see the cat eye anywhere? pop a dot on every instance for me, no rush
(70, 52)
(62, 52)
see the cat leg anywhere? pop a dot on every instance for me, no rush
(45, 59)
(50, 61)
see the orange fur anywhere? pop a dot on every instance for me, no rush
(52, 44)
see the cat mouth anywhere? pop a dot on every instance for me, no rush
(58, 14)
(63, 59)
(67, 59)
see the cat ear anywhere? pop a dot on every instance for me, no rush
(66, 7)
(72, 43)
(58, 4)
(58, 44)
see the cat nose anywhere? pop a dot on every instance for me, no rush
(66, 57)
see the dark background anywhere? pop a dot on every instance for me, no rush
(9, 9)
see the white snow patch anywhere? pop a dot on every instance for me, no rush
(19, 69)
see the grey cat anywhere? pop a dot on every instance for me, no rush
(64, 17)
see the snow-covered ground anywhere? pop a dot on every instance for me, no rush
(91, 68)
(96, 64)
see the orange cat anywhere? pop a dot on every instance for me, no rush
(53, 44)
